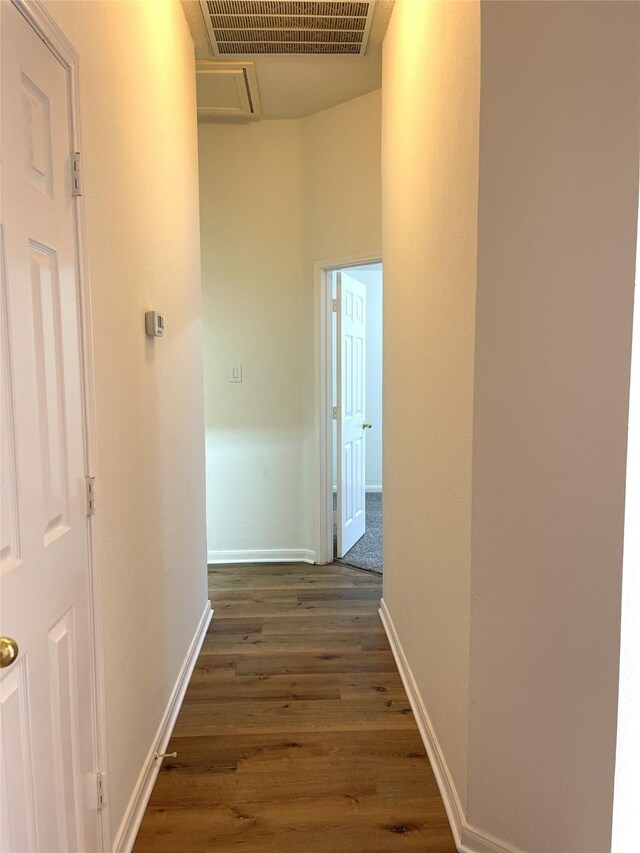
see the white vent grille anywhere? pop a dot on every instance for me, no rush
(287, 26)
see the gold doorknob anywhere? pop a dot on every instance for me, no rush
(8, 651)
(366, 425)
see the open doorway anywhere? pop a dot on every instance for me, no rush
(349, 412)
(357, 447)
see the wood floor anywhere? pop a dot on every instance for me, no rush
(295, 735)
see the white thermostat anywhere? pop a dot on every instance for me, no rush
(154, 324)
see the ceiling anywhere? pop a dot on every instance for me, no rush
(293, 86)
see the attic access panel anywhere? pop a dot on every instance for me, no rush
(249, 27)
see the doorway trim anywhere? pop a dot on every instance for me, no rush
(47, 29)
(323, 392)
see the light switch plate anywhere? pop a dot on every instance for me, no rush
(236, 373)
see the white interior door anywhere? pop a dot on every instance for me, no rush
(47, 712)
(351, 359)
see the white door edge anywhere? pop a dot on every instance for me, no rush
(323, 406)
(47, 29)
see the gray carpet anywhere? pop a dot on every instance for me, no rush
(367, 552)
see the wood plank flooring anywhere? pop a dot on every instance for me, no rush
(295, 735)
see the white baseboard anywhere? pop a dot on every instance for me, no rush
(468, 839)
(438, 764)
(475, 841)
(126, 835)
(284, 555)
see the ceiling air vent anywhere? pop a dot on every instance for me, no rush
(287, 26)
(227, 89)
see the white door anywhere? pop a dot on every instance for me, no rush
(351, 351)
(48, 796)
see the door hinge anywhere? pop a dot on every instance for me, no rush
(334, 305)
(101, 790)
(335, 413)
(76, 174)
(91, 495)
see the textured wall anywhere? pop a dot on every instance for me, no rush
(141, 194)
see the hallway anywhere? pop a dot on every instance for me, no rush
(295, 733)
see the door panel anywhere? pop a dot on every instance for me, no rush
(48, 333)
(66, 748)
(18, 812)
(47, 693)
(38, 135)
(351, 357)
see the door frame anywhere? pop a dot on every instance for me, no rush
(323, 392)
(46, 28)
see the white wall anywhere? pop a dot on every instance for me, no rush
(253, 302)
(559, 159)
(627, 781)
(342, 216)
(503, 581)
(141, 194)
(275, 197)
(430, 94)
